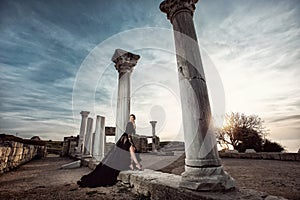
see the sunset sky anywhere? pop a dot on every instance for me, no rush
(55, 60)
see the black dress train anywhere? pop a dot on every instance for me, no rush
(106, 172)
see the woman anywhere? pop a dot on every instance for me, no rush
(130, 130)
(117, 159)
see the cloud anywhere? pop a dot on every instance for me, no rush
(44, 46)
(293, 117)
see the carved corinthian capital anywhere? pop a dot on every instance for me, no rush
(172, 7)
(124, 61)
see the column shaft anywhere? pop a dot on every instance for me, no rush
(99, 140)
(123, 103)
(124, 63)
(153, 123)
(84, 115)
(203, 170)
(88, 137)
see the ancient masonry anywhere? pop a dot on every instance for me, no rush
(203, 168)
(124, 63)
(93, 144)
(15, 151)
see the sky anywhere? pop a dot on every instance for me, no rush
(55, 60)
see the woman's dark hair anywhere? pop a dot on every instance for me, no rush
(133, 116)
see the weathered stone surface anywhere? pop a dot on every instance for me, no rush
(84, 115)
(231, 151)
(88, 137)
(250, 151)
(99, 139)
(157, 185)
(297, 157)
(71, 165)
(164, 153)
(271, 197)
(288, 156)
(69, 145)
(199, 138)
(155, 140)
(124, 64)
(141, 143)
(15, 153)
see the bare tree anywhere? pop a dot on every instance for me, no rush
(242, 131)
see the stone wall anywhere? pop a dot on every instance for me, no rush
(262, 155)
(15, 151)
(141, 143)
(69, 145)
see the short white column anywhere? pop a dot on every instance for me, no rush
(153, 124)
(84, 115)
(88, 137)
(99, 139)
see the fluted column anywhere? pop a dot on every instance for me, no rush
(84, 116)
(88, 137)
(153, 124)
(203, 168)
(124, 64)
(99, 139)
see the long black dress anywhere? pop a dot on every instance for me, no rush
(106, 172)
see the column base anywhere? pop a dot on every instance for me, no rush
(206, 179)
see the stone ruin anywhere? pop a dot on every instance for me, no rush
(15, 151)
(203, 167)
(95, 145)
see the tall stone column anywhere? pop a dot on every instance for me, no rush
(84, 116)
(153, 124)
(124, 63)
(99, 139)
(203, 168)
(88, 137)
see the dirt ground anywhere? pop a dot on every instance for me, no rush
(279, 178)
(42, 179)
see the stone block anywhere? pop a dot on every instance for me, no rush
(165, 153)
(19, 151)
(231, 151)
(244, 155)
(271, 156)
(271, 197)
(141, 143)
(255, 155)
(250, 151)
(275, 156)
(2, 151)
(297, 157)
(8, 151)
(93, 164)
(157, 185)
(235, 155)
(288, 156)
(71, 165)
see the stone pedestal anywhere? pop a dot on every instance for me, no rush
(84, 115)
(203, 170)
(124, 63)
(88, 137)
(99, 139)
(153, 124)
